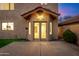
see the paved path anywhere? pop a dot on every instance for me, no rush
(43, 48)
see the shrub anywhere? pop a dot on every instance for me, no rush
(70, 37)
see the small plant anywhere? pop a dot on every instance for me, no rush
(70, 37)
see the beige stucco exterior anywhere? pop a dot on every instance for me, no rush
(20, 24)
(73, 27)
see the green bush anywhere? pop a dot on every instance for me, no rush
(70, 37)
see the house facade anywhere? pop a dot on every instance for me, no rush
(71, 24)
(31, 21)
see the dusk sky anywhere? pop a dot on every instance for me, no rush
(69, 9)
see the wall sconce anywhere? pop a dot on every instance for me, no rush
(26, 28)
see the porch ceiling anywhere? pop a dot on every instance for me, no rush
(25, 15)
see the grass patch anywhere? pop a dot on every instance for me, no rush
(4, 42)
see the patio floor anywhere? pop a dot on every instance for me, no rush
(41, 48)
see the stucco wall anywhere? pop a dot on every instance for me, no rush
(60, 32)
(19, 22)
(55, 29)
(74, 28)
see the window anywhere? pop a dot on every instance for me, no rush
(6, 6)
(29, 28)
(50, 28)
(8, 26)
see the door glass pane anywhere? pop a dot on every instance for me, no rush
(43, 30)
(36, 30)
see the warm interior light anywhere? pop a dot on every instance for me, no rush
(8, 26)
(29, 27)
(40, 17)
(4, 26)
(6, 6)
(36, 30)
(43, 30)
(50, 28)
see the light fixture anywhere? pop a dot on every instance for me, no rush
(40, 14)
(40, 17)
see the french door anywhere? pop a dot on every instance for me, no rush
(39, 30)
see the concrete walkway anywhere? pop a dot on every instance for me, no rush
(42, 48)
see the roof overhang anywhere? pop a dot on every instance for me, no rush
(40, 8)
(70, 21)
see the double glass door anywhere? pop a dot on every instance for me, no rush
(40, 30)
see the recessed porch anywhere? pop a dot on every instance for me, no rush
(42, 24)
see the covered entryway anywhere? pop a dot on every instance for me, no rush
(42, 24)
(40, 30)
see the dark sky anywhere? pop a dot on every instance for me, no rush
(69, 9)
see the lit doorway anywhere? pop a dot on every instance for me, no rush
(40, 31)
